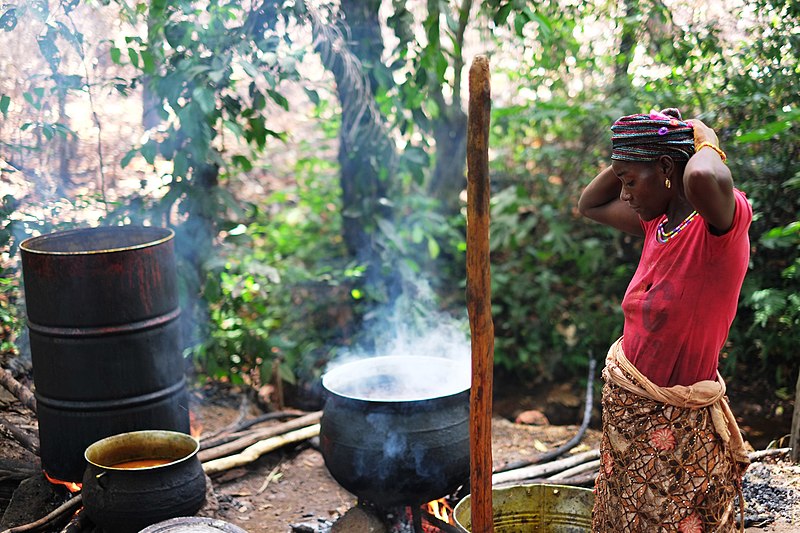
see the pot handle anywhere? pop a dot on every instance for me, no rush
(100, 478)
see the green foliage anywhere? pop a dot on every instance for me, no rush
(556, 285)
(215, 69)
(558, 280)
(15, 227)
(9, 289)
(762, 109)
(281, 286)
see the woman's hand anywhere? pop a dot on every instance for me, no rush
(702, 133)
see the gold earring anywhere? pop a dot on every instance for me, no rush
(667, 183)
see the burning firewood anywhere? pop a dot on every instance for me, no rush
(80, 521)
(444, 527)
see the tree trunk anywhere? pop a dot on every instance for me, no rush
(795, 438)
(365, 150)
(447, 181)
(151, 101)
(450, 127)
(621, 83)
(64, 143)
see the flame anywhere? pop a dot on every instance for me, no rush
(441, 510)
(195, 426)
(71, 485)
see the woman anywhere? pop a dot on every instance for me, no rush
(672, 457)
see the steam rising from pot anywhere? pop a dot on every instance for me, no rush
(413, 352)
(398, 378)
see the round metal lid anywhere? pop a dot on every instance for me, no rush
(193, 524)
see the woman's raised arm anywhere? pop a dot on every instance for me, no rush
(707, 180)
(600, 201)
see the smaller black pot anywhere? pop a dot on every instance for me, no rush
(122, 500)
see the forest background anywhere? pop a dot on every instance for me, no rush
(310, 157)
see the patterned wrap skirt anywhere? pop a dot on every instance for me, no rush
(664, 468)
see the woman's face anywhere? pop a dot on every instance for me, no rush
(643, 186)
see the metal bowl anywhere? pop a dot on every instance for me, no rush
(193, 524)
(534, 508)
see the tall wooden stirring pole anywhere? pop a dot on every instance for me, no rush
(479, 293)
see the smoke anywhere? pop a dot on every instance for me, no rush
(412, 324)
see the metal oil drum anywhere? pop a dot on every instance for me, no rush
(102, 309)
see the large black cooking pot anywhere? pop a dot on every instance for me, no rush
(395, 429)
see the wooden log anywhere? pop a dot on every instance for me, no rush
(582, 480)
(441, 525)
(479, 292)
(587, 479)
(17, 470)
(570, 470)
(29, 442)
(545, 469)
(238, 429)
(590, 466)
(20, 391)
(760, 454)
(78, 523)
(260, 448)
(258, 435)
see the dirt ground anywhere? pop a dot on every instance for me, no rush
(293, 487)
(290, 490)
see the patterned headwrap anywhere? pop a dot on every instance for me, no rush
(646, 137)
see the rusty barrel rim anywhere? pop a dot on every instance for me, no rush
(160, 236)
(102, 331)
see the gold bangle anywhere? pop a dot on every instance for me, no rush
(713, 147)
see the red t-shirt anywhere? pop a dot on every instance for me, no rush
(682, 299)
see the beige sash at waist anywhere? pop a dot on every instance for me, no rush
(702, 394)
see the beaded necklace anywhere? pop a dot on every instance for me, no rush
(664, 236)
